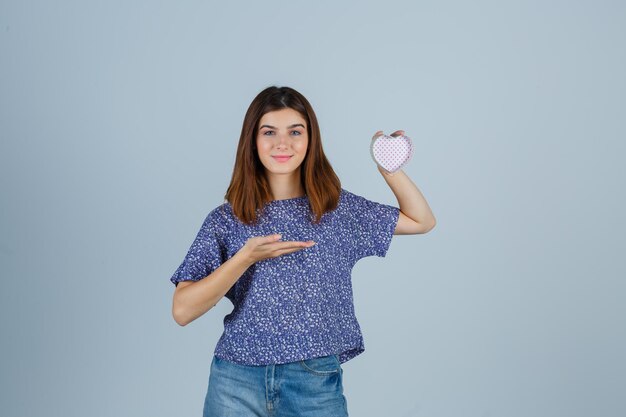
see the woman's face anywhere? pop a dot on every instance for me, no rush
(282, 133)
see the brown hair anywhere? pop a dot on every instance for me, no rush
(249, 188)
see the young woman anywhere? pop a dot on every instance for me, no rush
(281, 249)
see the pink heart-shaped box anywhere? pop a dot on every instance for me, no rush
(392, 153)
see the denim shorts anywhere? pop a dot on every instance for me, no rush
(306, 388)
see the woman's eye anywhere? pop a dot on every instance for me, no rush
(271, 131)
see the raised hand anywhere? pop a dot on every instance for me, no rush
(380, 133)
(263, 247)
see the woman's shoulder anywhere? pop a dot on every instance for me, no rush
(350, 198)
(219, 217)
(222, 210)
(358, 204)
(350, 203)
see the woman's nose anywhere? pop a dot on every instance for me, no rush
(283, 138)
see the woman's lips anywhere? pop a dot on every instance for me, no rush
(282, 158)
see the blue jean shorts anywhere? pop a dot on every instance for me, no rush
(306, 388)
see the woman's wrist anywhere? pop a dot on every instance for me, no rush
(383, 171)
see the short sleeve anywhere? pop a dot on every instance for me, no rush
(204, 256)
(374, 224)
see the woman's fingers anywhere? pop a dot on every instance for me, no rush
(282, 248)
(270, 238)
(292, 244)
(263, 247)
(396, 133)
(285, 243)
(377, 134)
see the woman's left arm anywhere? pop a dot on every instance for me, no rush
(415, 214)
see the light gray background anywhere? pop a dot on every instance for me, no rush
(119, 124)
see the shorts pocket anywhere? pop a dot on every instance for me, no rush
(323, 365)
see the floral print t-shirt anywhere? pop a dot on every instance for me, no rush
(298, 305)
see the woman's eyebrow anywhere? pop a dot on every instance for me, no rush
(288, 127)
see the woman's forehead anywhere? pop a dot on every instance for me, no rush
(282, 118)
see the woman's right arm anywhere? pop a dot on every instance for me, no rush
(194, 298)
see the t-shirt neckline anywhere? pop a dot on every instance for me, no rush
(288, 200)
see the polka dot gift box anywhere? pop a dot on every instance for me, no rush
(392, 153)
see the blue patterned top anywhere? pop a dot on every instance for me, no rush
(298, 305)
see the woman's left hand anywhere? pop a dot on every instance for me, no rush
(380, 133)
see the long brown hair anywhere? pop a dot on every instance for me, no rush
(249, 188)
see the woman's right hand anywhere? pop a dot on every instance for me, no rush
(258, 248)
